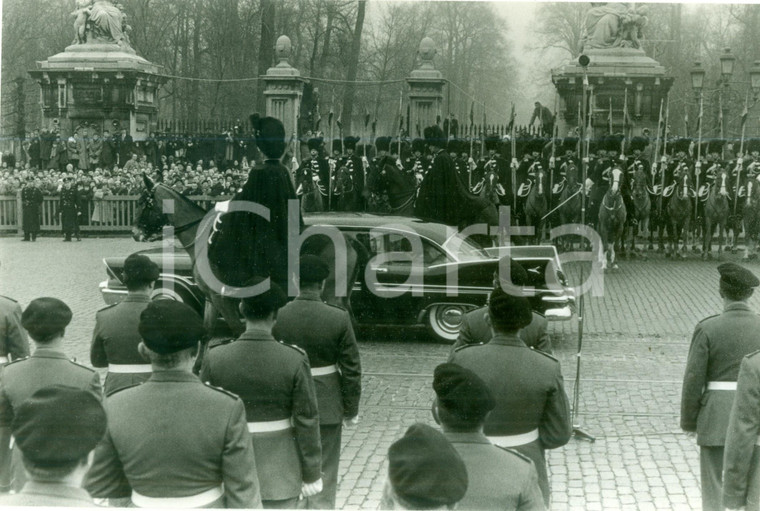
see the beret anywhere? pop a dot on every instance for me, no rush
(270, 135)
(45, 316)
(58, 424)
(139, 268)
(383, 143)
(314, 143)
(462, 392)
(268, 301)
(434, 135)
(425, 470)
(168, 326)
(737, 276)
(517, 275)
(509, 311)
(313, 269)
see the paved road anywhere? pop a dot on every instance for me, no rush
(634, 350)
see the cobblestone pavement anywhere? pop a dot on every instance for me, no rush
(636, 338)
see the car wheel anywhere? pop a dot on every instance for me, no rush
(444, 321)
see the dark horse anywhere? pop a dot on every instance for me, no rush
(611, 220)
(311, 196)
(536, 205)
(751, 219)
(344, 190)
(401, 187)
(716, 214)
(679, 215)
(194, 224)
(642, 206)
(570, 201)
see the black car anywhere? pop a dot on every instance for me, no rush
(419, 273)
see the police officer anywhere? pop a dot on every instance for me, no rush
(476, 329)
(56, 430)
(717, 347)
(45, 319)
(325, 333)
(741, 479)
(116, 338)
(13, 342)
(174, 441)
(499, 478)
(68, 209)
(31, 204)
(532, 411)
(424, 472)
(275, 383)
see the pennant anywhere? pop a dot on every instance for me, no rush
(686, 121)
(374, 126)
(609, 117)
(512, 118)
(625, 109)
(366, 117)
(472, 113)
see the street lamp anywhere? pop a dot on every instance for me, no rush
(754, 79)
(727, 60)
(698, 78)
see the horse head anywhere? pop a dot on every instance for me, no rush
(540, 181)
(149, 217)
(684, 183)
(721, 182)
(617, 174)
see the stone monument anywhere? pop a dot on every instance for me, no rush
(98, 82)
(283, 88)
(618, 71)
(425, 90)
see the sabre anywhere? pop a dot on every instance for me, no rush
(580, 188)
(699, 153)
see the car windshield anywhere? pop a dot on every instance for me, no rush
(465, 249)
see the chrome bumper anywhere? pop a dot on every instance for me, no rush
(559, 314)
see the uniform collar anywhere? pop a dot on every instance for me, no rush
(508, 340)
(466, 438)
(49, 353)
(737, 306)
(174, 375)
(57, 490)
(308, 294)
(137, 298)
(256, 335)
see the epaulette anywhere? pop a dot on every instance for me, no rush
(300, 350)
(536, 350)
(15, 361)
(220, 389)
(219, 342)
(516, 453)
(469, 346)
(709, 317)
(81, 365)
(108, 307)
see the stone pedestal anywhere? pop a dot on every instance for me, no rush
(283, 88)
(101, 85)
(612, 72)
(425, 90)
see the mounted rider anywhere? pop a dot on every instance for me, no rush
(417, 163)
(377, 182)
(635, 161)
(314, 171)
(708, 171)
(494, 162)
(353, 163)
(598, 178)
(569, 148)
(526, 172)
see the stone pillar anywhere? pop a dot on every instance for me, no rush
(425, 90)
(283, 88)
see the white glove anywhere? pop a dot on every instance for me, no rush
(585, 160)
(739, 160)
(551, 161)
(365, 161)
(351, 422)
(622, 157)
(654, 167)
(315, 178)
(514, 163)
(589, 184)
(311, 489)
(698, 165)
(664, 160)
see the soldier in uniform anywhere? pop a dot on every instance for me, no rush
(31, 204)
(376, 181)
(116, 338)
(598, 179)
(526, 172)
(68, 209)
(13, 342)
(499, 478)
(741, 459)
(417, 164)
(355, 168)
(532, 412)
(717, 347)
(325, 333)
(45, 319)
(705, 172)
(495, 162)
(424, 472)
(476, 328)
(275, 383)
(314, 171)
(55, 431)
(174, 441)
(568, 157)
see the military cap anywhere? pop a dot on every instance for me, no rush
(714, 146)
(680, 145)
(58, 425)
(418, 145)
(350, 142)
(452, 145)
(612, 142)
(536, 145)
(267, 302)
(337, 145)
(383, 143)
(314, 143)
(168, 326)
(753, 145)
(492, 142)
(639, 143)
(509, 311)
(737, 276)
(139, 268)
(517, 275)
(462, 392)
(44, 317)
(434, 136)
(67, 179)
(425, 470)
(313, 269)
(570, 144)
(270, 135)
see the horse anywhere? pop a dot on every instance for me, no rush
(489, 187)
(570, 200)
(642, 205)
(716, 214)
(401, 188)
(311, 196)
(679, 215)
(187, 218)
(536, 206)
(343, 190)
(612, 216)
(658, 212)
(751, 219)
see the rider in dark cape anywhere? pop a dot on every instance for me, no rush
(246, 244)
(443, 197)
